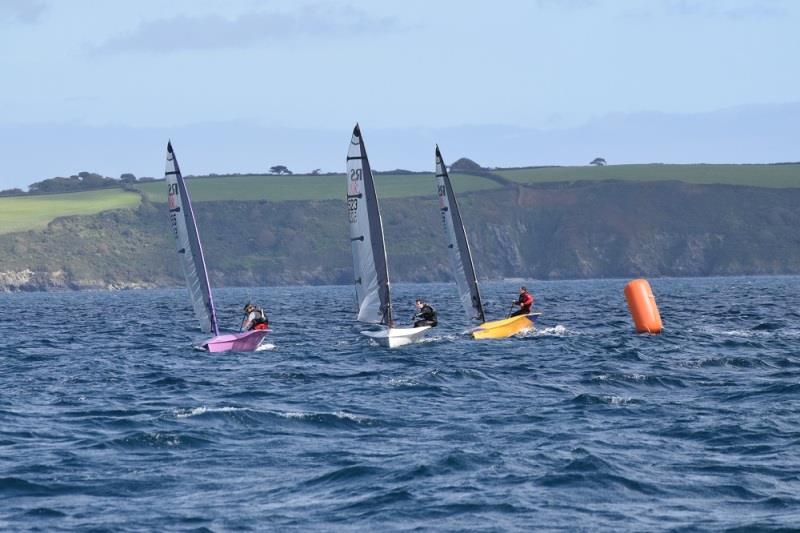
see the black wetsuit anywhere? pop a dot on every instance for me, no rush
(425, 317)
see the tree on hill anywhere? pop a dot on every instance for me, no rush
(466, 165)
(598, 162)
(83, 181)
(279, 169)
(316, 172)
(12, 192)
(127, 178)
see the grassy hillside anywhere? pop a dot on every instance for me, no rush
(585, 230)
(303, 187)
(34, 212)
(753, 175)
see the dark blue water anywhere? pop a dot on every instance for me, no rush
(110, 420)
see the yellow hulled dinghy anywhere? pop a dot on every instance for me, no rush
(506, 327)
(464, 269)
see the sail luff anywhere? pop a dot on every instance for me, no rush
(187, 238)
(366, 237)
(458, 245)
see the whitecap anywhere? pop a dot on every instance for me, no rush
(186, 413)
(617, 400)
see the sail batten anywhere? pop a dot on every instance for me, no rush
(458, 245)
(371, 272)
(187, 240)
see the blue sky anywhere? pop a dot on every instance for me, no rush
(112, 80)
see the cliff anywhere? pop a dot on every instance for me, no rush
(547, 231)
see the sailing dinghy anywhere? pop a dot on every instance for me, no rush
(464, 269)
(371, 271)
(184, 228)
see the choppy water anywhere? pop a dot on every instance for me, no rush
(110, 420)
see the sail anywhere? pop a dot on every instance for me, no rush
(457, 245)
(366, 237)
(184, 228)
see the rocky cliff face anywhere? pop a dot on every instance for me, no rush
(556, 231)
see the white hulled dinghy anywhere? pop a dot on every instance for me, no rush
(187, 240)
(371, 271)
(464, 269)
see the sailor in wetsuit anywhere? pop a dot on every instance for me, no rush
(426, 315)
(525, 301)
(255, 318)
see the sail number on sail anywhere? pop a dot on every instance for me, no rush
(172, 195)
(353, 193)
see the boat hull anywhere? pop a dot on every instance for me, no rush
(396, 337)
(506, 327)
(236, 342)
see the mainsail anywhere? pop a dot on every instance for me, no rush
(457, 245)
(184, 228)
(366, 237)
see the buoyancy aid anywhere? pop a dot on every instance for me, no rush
(525, 302)
(260, 321)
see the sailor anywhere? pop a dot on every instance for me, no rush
(426, 315)
(255, 318)
(525, 301)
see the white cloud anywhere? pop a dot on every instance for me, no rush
(211, 32)
(21, 11)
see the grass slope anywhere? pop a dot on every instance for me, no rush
(588, 230)
(35, 212)
(304, 187)
(755, 175)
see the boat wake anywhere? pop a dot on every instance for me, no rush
(438, 338)
(555, 331)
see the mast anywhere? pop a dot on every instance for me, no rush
(187, 240)
(371, 271)
(458, 245)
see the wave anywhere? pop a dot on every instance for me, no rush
(607, 399)
(587, 471)
(197, 411)
(636, 379)
(18, 487)
(346, 475)
(156, 439)
(254, 417)
(333, 419)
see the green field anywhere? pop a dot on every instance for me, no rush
(304, 187)
(33, 212)
(755, 175)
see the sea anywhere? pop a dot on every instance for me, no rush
(111, 420)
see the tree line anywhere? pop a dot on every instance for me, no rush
(82, 181)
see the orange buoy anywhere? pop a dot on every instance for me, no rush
(642, 305)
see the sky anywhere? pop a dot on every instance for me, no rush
(240, 85)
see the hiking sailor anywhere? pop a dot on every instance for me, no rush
(426, 315)
(255, 318)
(525, 301)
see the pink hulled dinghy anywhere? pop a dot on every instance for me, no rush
(236, 342)
(184, 229)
